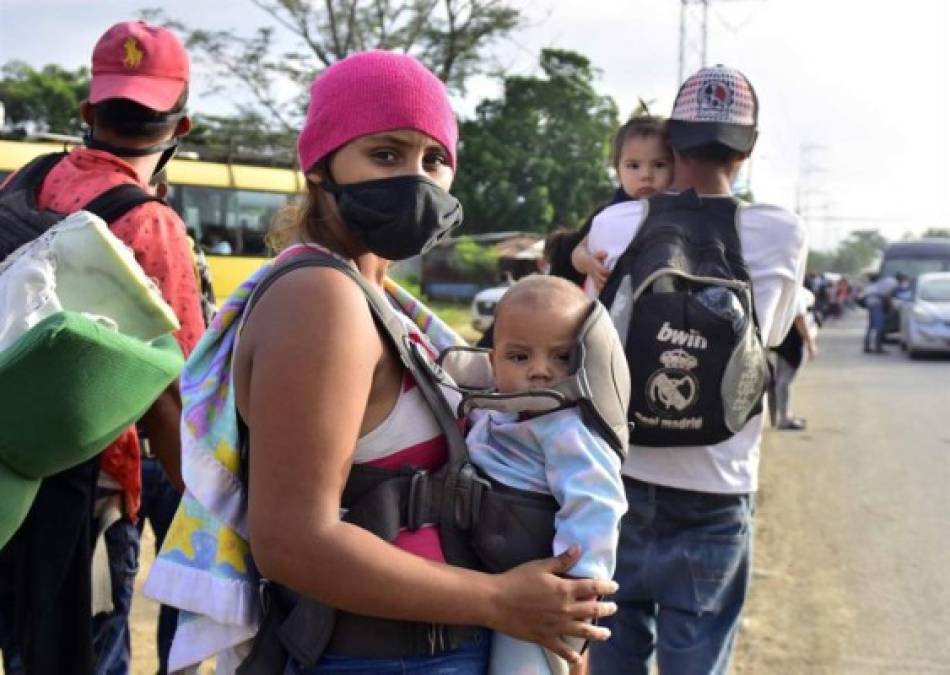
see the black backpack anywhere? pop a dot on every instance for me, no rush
(681, 299)
(22, 221)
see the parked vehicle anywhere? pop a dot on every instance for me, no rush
(912, 258)
(925, 318)
(483, 306)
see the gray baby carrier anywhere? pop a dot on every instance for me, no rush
(681, 299)
(482, 524)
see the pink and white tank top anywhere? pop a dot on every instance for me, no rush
(409, 436)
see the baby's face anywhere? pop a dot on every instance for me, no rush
(646, 166)
(532, 348)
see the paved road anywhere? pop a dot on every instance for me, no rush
(853, 542)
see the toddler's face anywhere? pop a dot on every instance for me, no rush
(532, 348)
(646, 166)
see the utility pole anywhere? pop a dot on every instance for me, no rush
(812, 200)
(694, 35)
(694, 22)
(694, 43)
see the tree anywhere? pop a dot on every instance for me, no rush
(858, 251)
(820, 261)
(538, 157)
(450, 36)
(242, 137)
(936, 232)
(46, 99)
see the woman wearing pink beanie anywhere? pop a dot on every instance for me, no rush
(321, 395)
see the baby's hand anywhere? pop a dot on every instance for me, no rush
(591, 264)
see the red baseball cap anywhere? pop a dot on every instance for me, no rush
(140, 62)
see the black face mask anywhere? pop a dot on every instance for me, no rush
(167, 148)
(397, 218)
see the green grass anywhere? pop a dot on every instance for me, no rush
(457, 315)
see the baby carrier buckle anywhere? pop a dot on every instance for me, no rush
(469, 490)
(420, 497)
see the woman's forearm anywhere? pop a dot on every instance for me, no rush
(351, 569)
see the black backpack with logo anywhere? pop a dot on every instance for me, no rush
(680, 297)
(22, 221)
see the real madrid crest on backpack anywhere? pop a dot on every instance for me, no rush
(681, 300)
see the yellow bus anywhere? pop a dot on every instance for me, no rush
(226, 207)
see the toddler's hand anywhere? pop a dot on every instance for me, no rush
(596, 270)
(590, 264)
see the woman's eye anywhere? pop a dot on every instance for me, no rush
(517, 357)
(435, 159)
(662, 164)
(387, 156)
(633, 165)
(562, 358)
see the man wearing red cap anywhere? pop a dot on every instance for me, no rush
(136, 114)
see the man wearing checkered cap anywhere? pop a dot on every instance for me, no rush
(685, 544)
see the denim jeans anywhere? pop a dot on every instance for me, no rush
(683, 568)
(110, 630)
(12, 663)
(877, 318)
(159, 503)
(469, 659)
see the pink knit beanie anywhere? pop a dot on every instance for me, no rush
(371, 92)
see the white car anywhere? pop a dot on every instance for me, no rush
(925, 318)
(483, 306)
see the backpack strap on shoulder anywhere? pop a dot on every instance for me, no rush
(31, 176)
(119, 200)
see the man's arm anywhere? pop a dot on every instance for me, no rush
(162, 425)
(157, 237)
(774, 246)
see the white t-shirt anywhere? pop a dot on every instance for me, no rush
(773, 245)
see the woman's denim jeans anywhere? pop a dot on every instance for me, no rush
(469, 659)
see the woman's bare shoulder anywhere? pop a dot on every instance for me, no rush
(314, 302)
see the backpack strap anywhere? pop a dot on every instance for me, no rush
(110, 205)
(31, 176)
(119, 200)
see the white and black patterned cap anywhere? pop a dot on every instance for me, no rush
(715, 105)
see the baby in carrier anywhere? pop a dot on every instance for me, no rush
(555, 453)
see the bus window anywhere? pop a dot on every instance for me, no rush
(253, 213)
(228, 222)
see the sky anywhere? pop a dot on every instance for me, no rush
(855, 95)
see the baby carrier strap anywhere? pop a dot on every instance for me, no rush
(383, 501)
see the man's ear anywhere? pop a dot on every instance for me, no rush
(87, 112)
(183, 127)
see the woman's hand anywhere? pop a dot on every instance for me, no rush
(591, 264)
(533, 602)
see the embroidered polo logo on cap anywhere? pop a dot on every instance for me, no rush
(133, 54)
